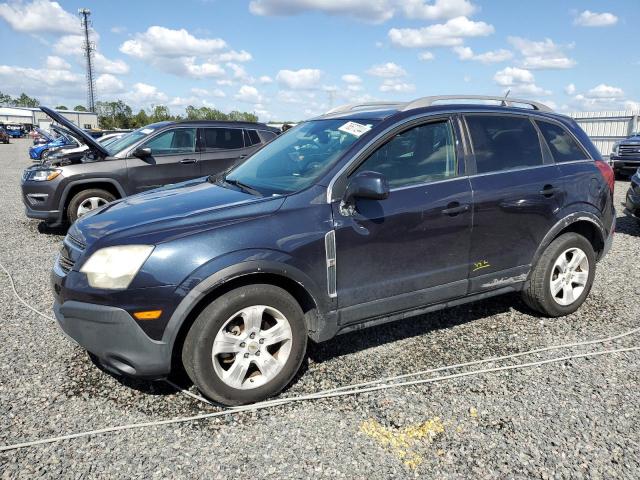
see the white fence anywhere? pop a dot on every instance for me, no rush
(606, 128)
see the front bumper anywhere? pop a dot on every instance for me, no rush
(113, 336)
(624, 164)
(40, 200)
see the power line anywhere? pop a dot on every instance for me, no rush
(89, 47)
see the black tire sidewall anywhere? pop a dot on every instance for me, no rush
(558, 246)
(199, 343)
(78, 198)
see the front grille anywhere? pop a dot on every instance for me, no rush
(629, 150)
(72, 248)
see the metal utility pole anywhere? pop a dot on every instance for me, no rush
(89, 48)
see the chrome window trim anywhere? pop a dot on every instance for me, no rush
(426, 184)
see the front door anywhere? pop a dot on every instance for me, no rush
(411, 249)
(173, 159)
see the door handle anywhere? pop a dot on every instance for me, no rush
(188, 160)
(549, 191)
(454, 208)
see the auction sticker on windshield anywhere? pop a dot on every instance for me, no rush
(356, 129)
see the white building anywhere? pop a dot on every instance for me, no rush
(34, 117)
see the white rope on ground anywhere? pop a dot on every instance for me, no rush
(364, 387)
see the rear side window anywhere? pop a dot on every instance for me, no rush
(223, 138)
(251, 138)
(421, 154)
(503, 142)
(267, 136)
(562, 145)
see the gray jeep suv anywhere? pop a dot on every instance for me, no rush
(65, 187)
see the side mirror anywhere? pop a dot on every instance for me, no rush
(368, 184)
(142, 152)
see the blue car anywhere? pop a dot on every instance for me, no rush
(368, 214)
(42, 151)
(15, 131)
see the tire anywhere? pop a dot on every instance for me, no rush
(81, 201)
(220, 319)
(548, 275)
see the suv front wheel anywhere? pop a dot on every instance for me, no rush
(86, 200)
(246, 345)
(563, 276)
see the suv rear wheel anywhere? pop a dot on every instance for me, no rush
(563, 276)
(86, 200)
(246, 345)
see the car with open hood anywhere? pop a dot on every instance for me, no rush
(65, 187)
(58, 138)
(367, 214)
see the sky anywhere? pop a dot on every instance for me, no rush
(294, 59)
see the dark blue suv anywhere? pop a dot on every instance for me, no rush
(367, 214)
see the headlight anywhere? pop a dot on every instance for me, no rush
(44, 175)
(115, 267)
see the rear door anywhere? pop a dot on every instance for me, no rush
(223, 148)
(173, 159)
(412, 248)
(517, 190)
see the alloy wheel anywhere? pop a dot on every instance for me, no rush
(569, 276)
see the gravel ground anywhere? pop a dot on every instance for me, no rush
(577, 419)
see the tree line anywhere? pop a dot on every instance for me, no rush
(117, 114)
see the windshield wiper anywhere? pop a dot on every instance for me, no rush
(243, 186)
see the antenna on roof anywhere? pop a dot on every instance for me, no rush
(504, 101)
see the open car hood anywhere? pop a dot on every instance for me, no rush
(77, 131)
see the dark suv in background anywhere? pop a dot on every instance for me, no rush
(67, 187)
(368, 214)
(625, 157)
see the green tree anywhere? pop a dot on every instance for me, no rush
(79, 108)
(242, 116)
(204, 113)
(5, 99)
(161, 113)
(140, 119)
(61, 107)
(25, 100)
(114, 114)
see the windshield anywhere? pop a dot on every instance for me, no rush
(298, 157)
(131, 138)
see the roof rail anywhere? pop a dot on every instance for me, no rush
(350, 107)
(504, 101)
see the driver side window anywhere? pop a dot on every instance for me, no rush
(173, 142)
(418, 155)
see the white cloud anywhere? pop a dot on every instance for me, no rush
(202, 92)
(387, 70)
(166, 42)
(233, 56)
(299, 79)
(265, 79)
(105, 65)
(224, 82)
(145, 94)
(593, 19)
(57, 63)
(107, 84)
(543, 54)
(239, 71)
(397, 86)
(448, 34)
(118, 30)
(570, 89)
(58, 81)
(69, 45)
(519, 81)
(351, 78)
(39, 16)
(605, 91)
(374, 11)
(493, 56)
(426, 56)
(248, 94)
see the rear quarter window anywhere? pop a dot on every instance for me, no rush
(503, 142)
(563, 146)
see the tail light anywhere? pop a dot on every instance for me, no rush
(607, 174)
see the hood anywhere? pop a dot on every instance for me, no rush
(77, 131)
(44, 134)
(171, 212)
